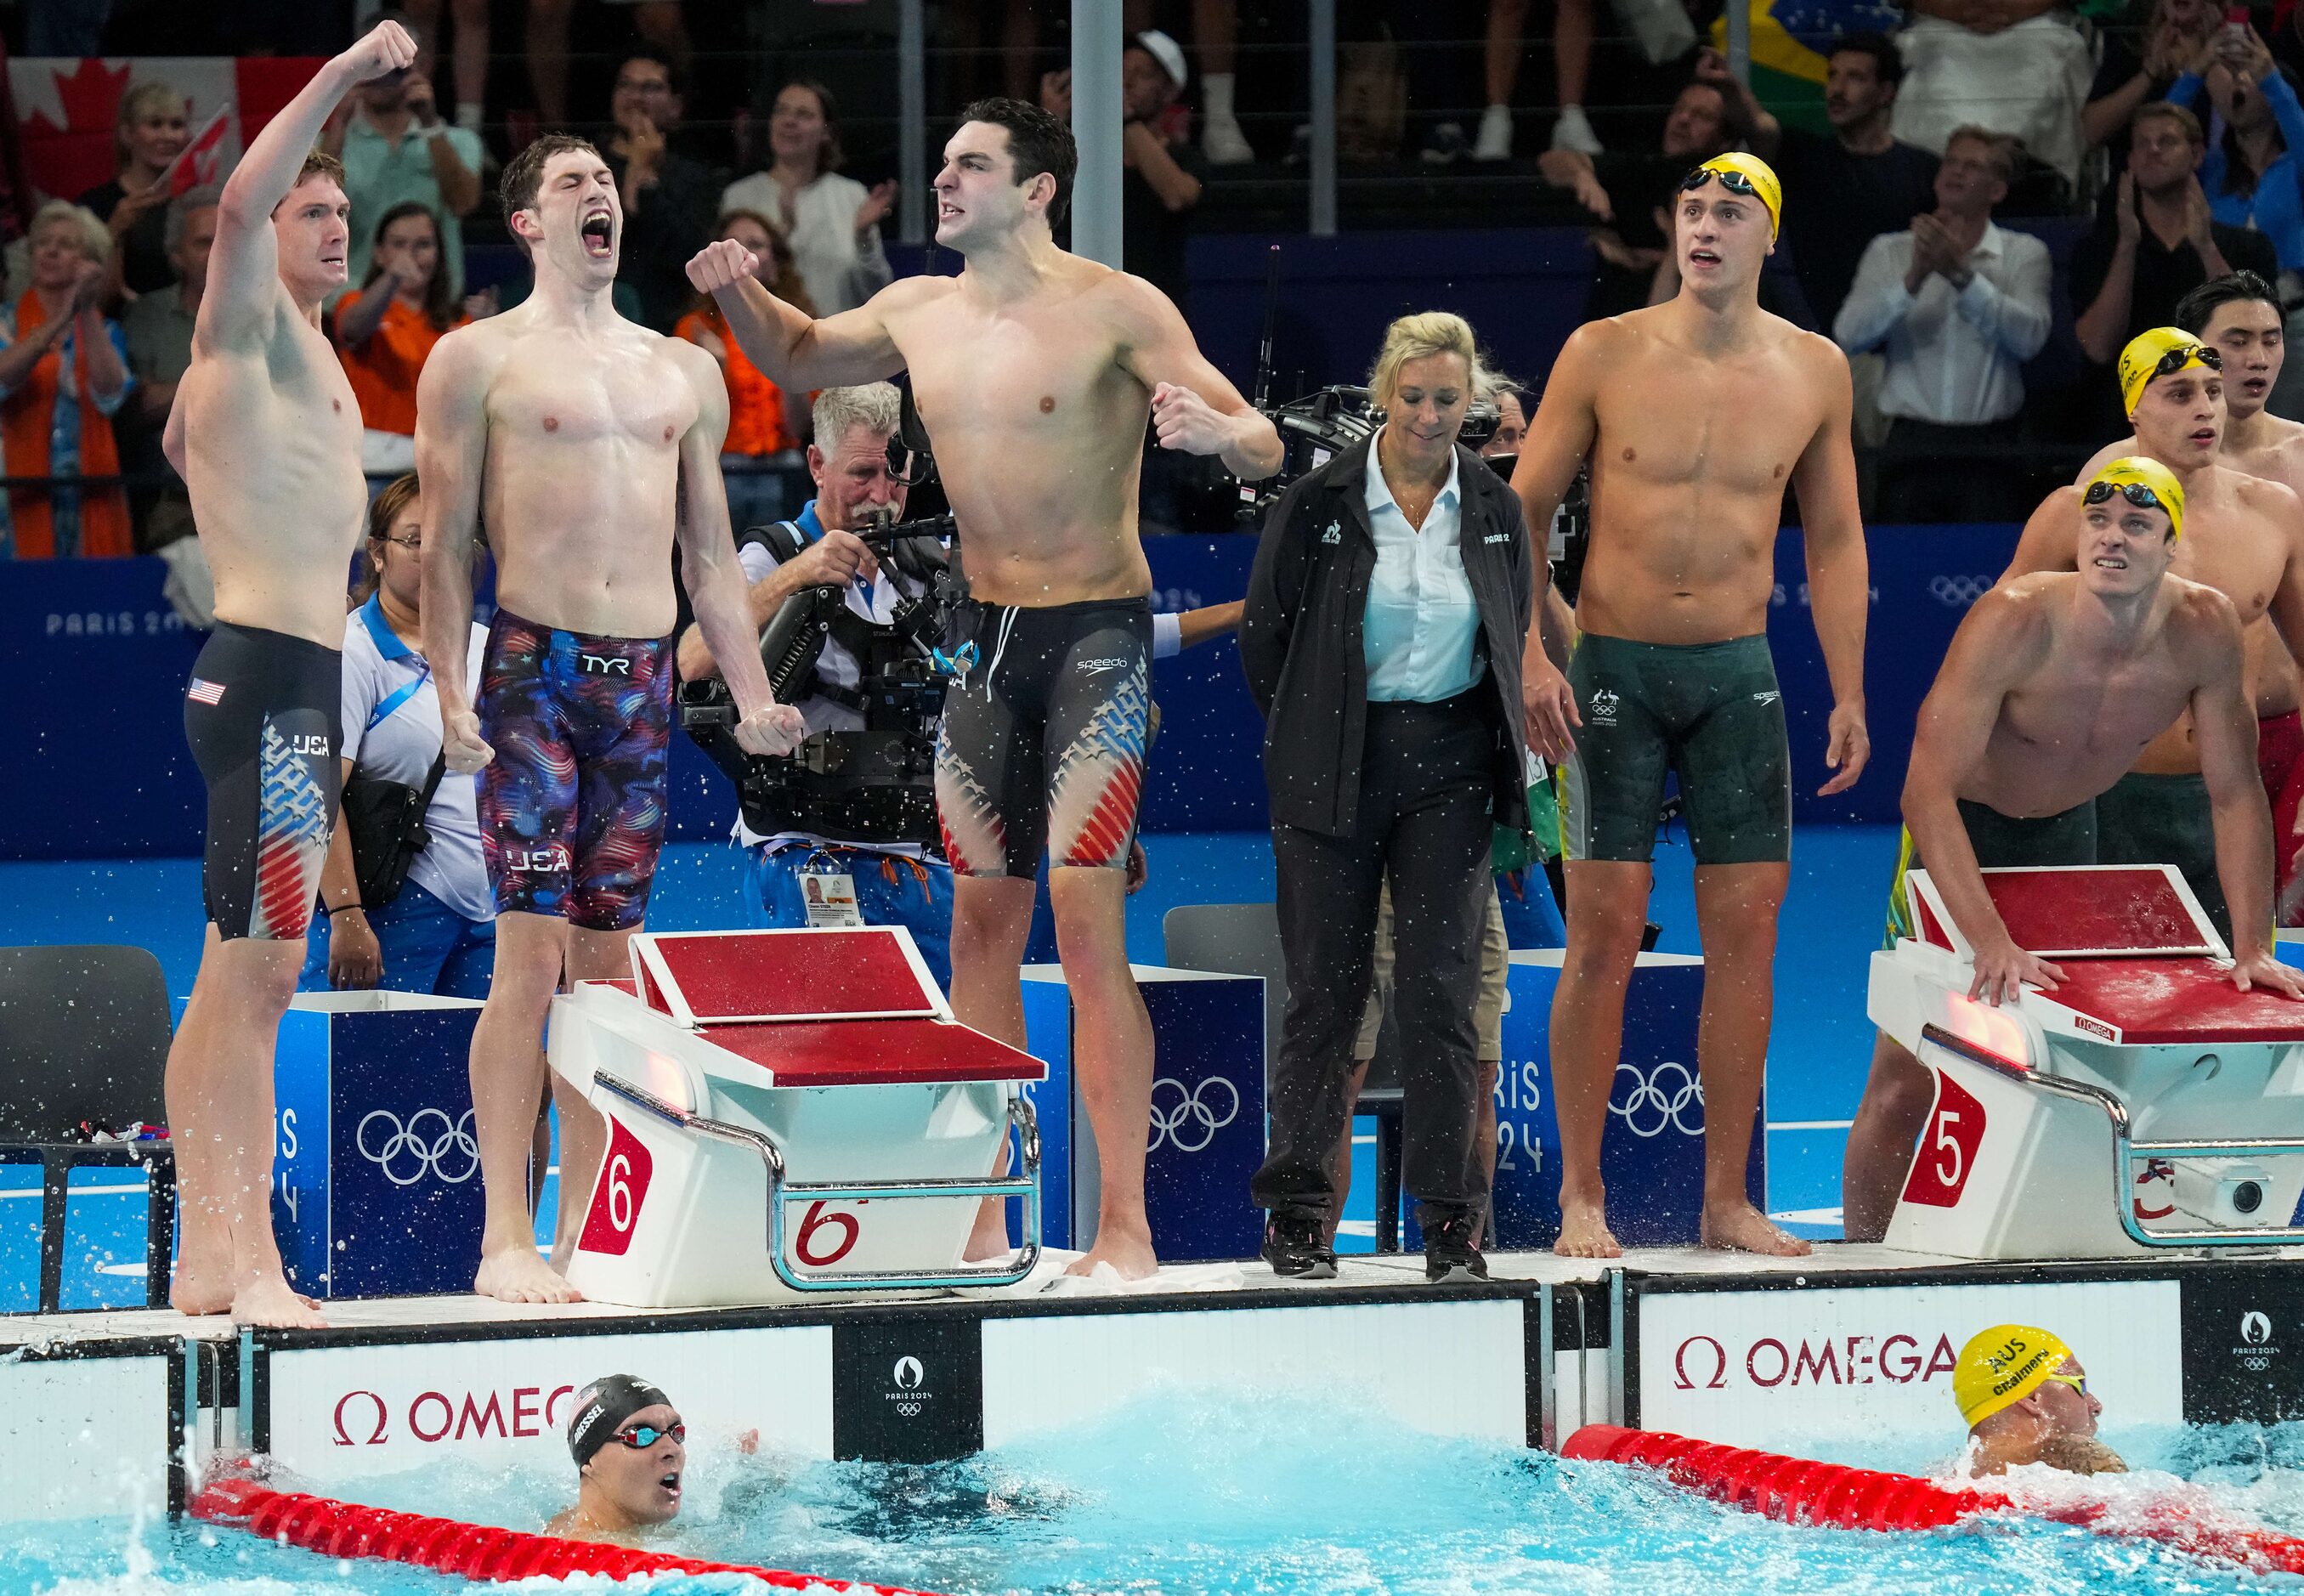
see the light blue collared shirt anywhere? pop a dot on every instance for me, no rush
(1421, 626)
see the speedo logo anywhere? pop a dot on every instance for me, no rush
(1766, 698)
(1090, 667)
(603, 665)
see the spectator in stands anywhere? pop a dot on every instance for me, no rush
(396, 150)
(1215, 40)
(1512, 427)
(2135, 70)
(63, 350)
(2250, 175)
(1959, 305)
(438, 932)
(152, 133)
(659, 23)
(471, 59)
(762, 438)
(385, 332)
(2155, 238)
(668, 193)
(1160, 175)
(1571, 67)
(1845, 189)
(156, 329)
(1628, 196)
(2015, 66)
(833, 221)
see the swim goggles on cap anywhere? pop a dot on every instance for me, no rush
(640, 1437)
(2141, 495)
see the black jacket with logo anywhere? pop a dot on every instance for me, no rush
(1300, 635)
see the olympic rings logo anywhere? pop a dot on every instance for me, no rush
(1190, 1120)
(1957, 592)
(407, 1154)
(1653, 1105)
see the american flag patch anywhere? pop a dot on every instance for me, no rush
(204, 693)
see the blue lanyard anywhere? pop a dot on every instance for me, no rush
(388, 644)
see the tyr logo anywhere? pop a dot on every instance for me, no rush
(605, 665)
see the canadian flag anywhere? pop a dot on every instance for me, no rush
(66, 109)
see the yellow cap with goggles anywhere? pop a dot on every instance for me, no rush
(1742, 173)
(2160, 351)
(2000, 1367)
(2145, 483)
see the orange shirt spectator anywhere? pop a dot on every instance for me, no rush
(63, 375)
(385, 332)
(762, 440)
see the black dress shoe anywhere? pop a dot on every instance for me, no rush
(1450, 1259)
(1293, 1247)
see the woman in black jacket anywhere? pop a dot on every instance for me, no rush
(1381, 639)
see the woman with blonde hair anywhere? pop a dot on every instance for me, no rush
(63, 373)
(153, 128)
(1381, 639)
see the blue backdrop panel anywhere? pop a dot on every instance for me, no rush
(96, 664)
(377, 1191)
(1207, 1135)
(1652, 1157)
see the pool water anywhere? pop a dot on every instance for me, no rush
(1188, 1493)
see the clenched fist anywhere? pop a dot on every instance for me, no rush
(388, 48)
(461, 744)
(772, 729)
(721, 264)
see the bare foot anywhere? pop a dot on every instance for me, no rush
(197, 1294)
(519, 1274)
(1584, 1233)
(1740, 1227)
(269, 1301)
(1131, 1255)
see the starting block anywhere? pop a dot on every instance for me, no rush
(789, 1113)
(2096, 1120)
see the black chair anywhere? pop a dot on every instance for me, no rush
(84, 1035)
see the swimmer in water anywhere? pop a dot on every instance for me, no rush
(630, 1452)
(2025, 1399)
(1695, 414)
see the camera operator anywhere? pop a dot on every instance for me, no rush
(816, 862)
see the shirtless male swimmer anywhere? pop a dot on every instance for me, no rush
(587, 445)
(266, 433)
(1033, 370)
(2238, 316)
(2053, 686)
(1695, 413)
(2243, 536)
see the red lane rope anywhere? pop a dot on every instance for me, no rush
(475, 1552)
(1798, 1490)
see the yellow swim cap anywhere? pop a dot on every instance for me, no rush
(2135, 470)
(1744, 173)
(2000, 1367)
(2154, 353)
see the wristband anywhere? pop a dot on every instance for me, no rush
(339, 908)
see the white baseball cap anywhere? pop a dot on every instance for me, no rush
(1165, 50)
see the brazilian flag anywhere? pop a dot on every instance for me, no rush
(1789, 38)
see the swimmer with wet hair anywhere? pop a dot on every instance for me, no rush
(630, 1452)
(2025, 1399)
(2018, 738)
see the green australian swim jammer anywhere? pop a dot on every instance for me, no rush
(1711, 712)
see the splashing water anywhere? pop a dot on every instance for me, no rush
(1189, 1492)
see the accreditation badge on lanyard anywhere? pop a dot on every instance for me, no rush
(828, 894)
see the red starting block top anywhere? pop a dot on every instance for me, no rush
(2174, 1000)
(737, 978)
(886, 1052)
(2080, 912)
